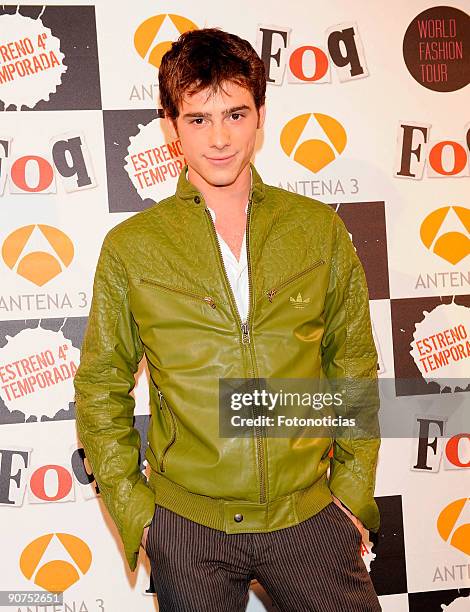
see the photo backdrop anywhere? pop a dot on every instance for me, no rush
(367, 111)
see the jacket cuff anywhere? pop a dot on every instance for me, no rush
(350, 491)
(139, 513)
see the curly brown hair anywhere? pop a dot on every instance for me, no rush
(207, 58)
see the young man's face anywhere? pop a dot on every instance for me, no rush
(218, 132)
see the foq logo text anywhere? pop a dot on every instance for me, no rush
(435, 448)
(446, 158)
(27, 479)
(32, 476)
(69, 160)
(310, 63)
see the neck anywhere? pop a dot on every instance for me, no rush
(225, 197)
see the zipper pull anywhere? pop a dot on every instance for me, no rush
(210, 301)
(160, 397)
(271, 294)
(245, 333)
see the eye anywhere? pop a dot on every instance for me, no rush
(236, 116)
(198, 120)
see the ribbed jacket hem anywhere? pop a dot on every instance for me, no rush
(222, 514)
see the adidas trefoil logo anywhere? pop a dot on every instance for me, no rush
(298, 302)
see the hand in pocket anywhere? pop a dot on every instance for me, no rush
(144, 537)
(146, 532)
(357, 522)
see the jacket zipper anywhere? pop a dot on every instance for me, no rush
(173, 436)
(272, 292)
(205, 298)
(245, 331)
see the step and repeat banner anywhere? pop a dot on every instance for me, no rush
(367, 111)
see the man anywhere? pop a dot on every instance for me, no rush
(206, 284)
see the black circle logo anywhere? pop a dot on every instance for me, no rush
(436, 48)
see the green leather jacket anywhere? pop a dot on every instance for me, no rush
(161, 290)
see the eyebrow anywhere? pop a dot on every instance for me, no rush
(228, 111)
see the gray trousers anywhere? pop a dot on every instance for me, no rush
(315, 566)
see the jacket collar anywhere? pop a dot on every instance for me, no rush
(187, 191)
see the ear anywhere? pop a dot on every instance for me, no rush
(261, 116)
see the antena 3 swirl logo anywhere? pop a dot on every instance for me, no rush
(55, 575)
(451, 245)
(146, 35)
(38, 266)
(452, 528)
(313, 153)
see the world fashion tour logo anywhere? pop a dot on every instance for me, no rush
(435, 48)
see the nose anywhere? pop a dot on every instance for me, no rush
(220, 136)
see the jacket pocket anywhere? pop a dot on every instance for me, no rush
(272, 292)
(196, 296)
(172, 423)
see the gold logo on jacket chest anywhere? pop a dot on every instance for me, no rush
(298, 302)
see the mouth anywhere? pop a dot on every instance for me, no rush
(220, 161)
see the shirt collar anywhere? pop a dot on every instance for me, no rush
(212, 211)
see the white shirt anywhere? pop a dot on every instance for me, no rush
(237, 271)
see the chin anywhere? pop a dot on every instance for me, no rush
(221, 182)
(222, 178)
